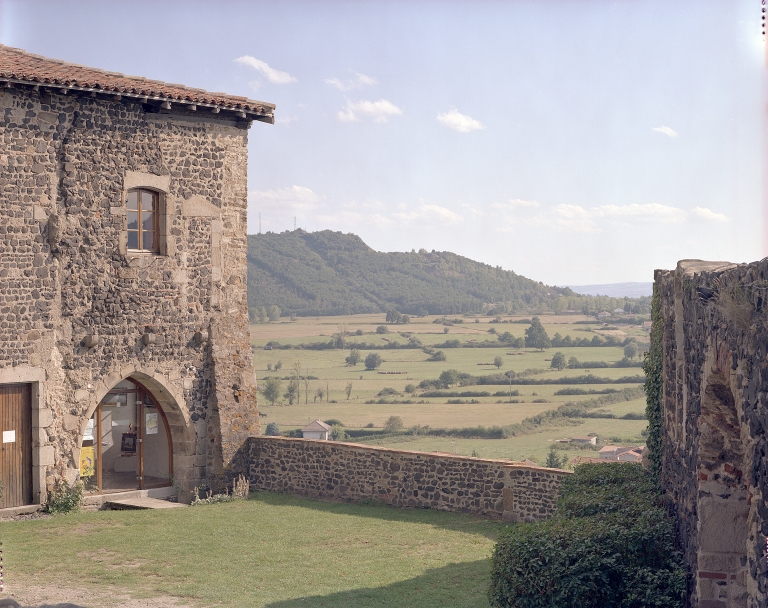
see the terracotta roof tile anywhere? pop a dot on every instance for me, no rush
(18, 65)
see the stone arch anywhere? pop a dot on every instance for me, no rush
(171, 399)
(722, 498)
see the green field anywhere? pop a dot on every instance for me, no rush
(332, 374)
(273, 550)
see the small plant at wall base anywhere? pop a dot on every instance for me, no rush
(64, 498)
(652, 366)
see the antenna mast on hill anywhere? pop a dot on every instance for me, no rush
(294, 223)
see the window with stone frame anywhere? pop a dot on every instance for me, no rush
(142, 220)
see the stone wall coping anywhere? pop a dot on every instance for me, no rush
(514, 465)
(373, 448)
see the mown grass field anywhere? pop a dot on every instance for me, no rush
(272, 550)
(333, 374)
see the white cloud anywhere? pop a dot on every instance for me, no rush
(358, 81)
(352, 220)
(650, 213)
(297, 198)
(666, 130)
(453, 119)
(703, 214)
(379, 111)
(430, 213)
(286, 119)
(654, 212)
(274, 76)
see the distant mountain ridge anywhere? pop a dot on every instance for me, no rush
(616, 290)
(330, 273)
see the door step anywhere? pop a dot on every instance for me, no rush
(94, 502)
(141, 503)
(23, 510)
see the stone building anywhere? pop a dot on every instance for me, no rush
(125, 356)
(714, 324)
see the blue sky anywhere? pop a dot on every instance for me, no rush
(572, 142)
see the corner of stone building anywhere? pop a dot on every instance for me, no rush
(715, 339)
(235, 391)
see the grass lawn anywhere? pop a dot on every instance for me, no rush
(272, 550)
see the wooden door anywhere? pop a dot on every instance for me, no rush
(16, 446)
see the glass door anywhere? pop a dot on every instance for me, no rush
(127, 444)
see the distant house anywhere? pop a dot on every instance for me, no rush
(611, 452)
(584, 440)
(635, 455)
(316, 430)
(621, 453)
(619, 311)
(603, 315)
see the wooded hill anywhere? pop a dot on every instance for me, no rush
(330, 273)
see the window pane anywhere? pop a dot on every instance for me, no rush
(147, 220)
(133, 198)
(133, 220)
(149, 240)
(133, 240)
(147, 199)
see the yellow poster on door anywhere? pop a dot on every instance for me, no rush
(87, 461)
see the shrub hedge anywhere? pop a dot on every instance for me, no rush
(610, 545)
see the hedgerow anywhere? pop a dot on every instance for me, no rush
(611, 545)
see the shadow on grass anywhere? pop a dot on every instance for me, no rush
(464, 584)
(457, 522)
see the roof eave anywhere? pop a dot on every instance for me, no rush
(264, 114)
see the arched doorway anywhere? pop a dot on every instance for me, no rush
(127, 443)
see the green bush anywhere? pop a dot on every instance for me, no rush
(273, 430)
(372, 361)
(338, 433)
(611, 544)
(65, 498)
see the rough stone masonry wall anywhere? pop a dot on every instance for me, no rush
(715, 425)
(343, 471)
(66, 163)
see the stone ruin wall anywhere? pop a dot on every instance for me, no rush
(65, 165)
(715, 425)
(351, 472)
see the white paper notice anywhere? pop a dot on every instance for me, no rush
(9, 436)
(88, 435)
(151, 425)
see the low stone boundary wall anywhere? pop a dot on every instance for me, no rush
(346, 471)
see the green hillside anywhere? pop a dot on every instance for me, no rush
(330, 273)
